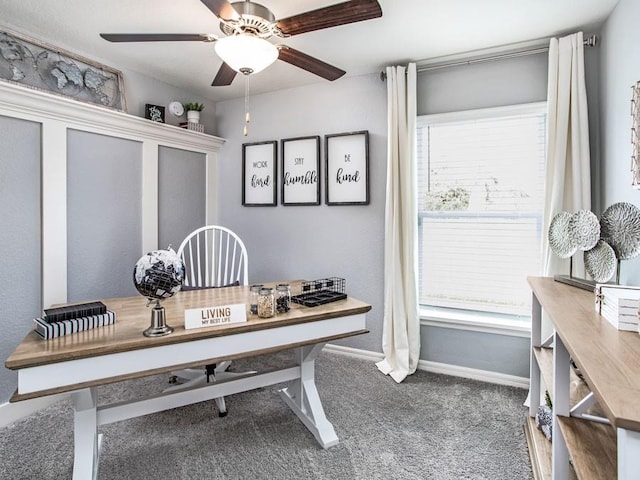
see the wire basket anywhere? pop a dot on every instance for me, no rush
(321, 291)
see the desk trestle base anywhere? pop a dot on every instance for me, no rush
(301, 396)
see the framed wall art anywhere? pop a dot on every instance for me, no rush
(301, 171)
(347, 168)
(635, 136)
(155, 113)
(259, 174)
(34, 64)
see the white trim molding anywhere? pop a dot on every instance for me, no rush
(18, 101)
(436, 367)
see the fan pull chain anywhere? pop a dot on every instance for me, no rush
(247, 115)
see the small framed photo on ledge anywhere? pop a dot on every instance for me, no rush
(347, 168)
(259, 174)
(155, 113)
(301, 171)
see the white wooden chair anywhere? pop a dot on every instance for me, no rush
(214, 257)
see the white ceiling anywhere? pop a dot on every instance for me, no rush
(409, 30)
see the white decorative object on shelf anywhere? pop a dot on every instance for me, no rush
(193, 126)
(176, 109)
(618, 305)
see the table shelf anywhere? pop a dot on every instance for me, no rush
(608, 360)
(592, 447)
(540, 452)
(578, 388)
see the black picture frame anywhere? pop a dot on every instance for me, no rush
(259, 174)
(347, 168)
(155, 113)
(300, 167)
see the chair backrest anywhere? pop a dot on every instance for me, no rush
(214, 256)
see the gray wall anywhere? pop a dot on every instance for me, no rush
(619, 70)
(483, 85)
(316, 241)
(140, 90)
(181, 195)
(309, 242)
(20, 234)
(104, 215)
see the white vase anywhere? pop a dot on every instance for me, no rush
(193, 116)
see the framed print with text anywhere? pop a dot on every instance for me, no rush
(347, 168)
(259, 174)
(301, 171)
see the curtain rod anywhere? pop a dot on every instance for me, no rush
(590, 41)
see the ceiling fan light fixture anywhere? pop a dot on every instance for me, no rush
(246, 53)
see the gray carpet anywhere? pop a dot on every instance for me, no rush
(429, 427)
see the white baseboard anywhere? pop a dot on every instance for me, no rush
(12, 412)
(435, 367)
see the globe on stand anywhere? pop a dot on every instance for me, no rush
(158, 275)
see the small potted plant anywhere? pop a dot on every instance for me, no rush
(193, 111)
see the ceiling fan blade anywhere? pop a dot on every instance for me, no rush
(332, 16)
(308, 63)
(158, 37)
(225, 76)
(222, 9)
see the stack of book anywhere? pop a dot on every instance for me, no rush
(196, 127)
(60, 321)
(619, 305)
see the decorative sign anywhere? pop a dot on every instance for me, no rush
(259, 173)
(347, 169)
(301, 171)
(37, 65)
(214, 316)
(155, 113)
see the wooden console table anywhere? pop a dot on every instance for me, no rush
(596, 421)
(80, 362)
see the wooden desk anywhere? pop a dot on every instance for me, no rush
(80, 362)
(609, 360)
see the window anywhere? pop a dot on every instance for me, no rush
(480, 203)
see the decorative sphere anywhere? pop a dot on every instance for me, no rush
(159, 274)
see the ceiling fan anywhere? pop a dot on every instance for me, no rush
(248, 26)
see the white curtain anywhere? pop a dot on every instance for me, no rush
(568, 177)
(401, 328)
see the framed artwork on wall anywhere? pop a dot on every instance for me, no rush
(635, 136)
(347, 168)
(301, 171)
(259, 173)
(38, 65)
(155, 113)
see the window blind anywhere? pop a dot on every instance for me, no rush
(480, 201)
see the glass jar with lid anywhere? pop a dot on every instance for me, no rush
(283, 297)
(266, 303)
(254, 292)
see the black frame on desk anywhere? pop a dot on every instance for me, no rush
(259, 174)
(301, 171)
(347, 168)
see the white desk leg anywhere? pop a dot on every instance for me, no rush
(85, 435)
(561, 370)
(628, 458)
(302, 397)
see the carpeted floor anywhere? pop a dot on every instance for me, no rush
(429, 427)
